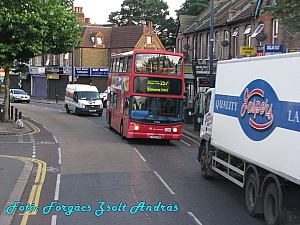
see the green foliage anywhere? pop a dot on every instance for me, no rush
(141, 12)
(193, 7)
(29, 28)
(288, 11)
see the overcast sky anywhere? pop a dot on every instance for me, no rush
(98, 10)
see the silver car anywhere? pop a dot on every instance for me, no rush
(18, 95)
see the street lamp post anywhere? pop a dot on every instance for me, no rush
(211, 42)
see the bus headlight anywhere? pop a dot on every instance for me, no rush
(175, 129)
(136, 127)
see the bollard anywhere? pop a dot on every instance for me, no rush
(20, 115)
(56, 99)
(12, 112)
(16, 114)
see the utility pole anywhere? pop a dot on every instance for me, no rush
(211, 44)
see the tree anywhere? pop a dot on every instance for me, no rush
(288, 12)
(193, 7)
(141, 12)
(30, 28)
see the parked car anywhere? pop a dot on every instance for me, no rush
(18, 95)
(103, 97)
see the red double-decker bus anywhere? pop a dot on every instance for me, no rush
(145, 94)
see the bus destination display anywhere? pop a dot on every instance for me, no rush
(157, 85)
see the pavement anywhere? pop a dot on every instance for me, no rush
(15, 171)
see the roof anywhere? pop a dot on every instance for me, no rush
(88, 31)
(127, 36)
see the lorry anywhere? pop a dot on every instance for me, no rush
(250, 133)
(83, 99)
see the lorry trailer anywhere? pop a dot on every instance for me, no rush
(250, 133)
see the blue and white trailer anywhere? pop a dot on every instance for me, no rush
(250, 133)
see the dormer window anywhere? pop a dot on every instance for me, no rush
(97, 39)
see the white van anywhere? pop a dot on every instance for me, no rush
(83, 99)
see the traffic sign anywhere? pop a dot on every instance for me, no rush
(247, 50)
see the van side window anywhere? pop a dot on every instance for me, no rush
(207, 103)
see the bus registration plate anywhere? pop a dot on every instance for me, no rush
(92, 110)
(155, 136)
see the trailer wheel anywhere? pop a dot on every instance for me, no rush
(203, 166)
(252, 196)
(271, 205)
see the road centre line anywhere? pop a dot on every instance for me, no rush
(164, 183)
(56, 194)
(137, 151)
(53, 219)
(59, 155)
(195, 218)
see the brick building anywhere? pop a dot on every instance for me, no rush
(238, 25)
(99, 42)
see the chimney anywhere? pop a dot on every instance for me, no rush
(80, 14)
(87, 20)
(150, 25)
(231, 13)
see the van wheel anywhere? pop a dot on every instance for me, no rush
(271, 205)
(99, 114)
(67, 109)
(77, 112)
(253, 202)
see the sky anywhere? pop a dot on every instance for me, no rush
(98, 10)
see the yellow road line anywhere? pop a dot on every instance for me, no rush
(36, 189)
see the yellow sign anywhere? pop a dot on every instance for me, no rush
(53, 76)
(188, 69)
(247, 50)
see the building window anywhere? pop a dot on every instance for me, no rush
(247, 35)
(217, 47)
(54, 60)
(149, 39)
(67, 58)
(226, 49)
(61, 60)
(275, 31)
(258, 30)
(195, 47)
(235, 36)
(208, 45)
(201, 46)
(99, 40)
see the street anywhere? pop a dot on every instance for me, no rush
(93, 176)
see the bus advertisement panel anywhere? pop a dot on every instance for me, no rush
(145, 94)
